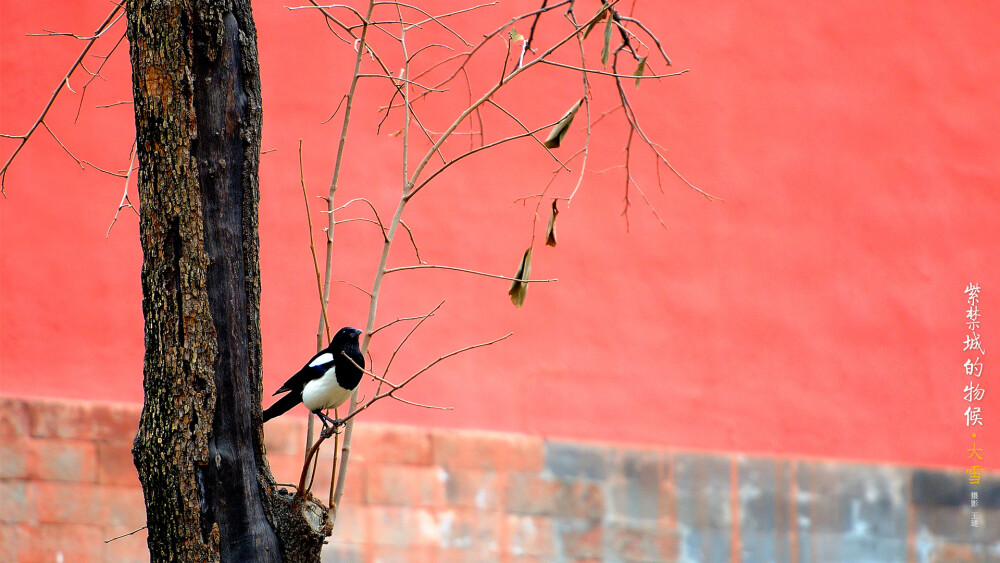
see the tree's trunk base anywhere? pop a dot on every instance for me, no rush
(302, 521)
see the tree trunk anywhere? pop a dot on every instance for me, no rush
(199, 450)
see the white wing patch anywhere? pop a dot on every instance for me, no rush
(321, 359)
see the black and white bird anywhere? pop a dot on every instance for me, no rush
(326, 381)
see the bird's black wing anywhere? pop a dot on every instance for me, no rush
(316, 367)
(348, 374)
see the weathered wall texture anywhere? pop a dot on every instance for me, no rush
(415, 494)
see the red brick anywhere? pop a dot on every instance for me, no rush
(286, 469)
(641, 543)
(473, 488)
(954, 553)
(51, 460)
(354, 489)
(115, 464)
(15, 420)
(69, 420)
(487, 450)
(17, 502)
(84, 503)
(334, 552)
(326, 454)
(581, 539)
(8, 542)
(59, 542)
(399, 526)
(406, 485)
(121, 507)
(63, 460)
(467, 528)
(286, 436)
(14, 459)
(116, 422)
(67, 503)
(321, 483)
(323, 474)
(530, 535)
(386, 443)
(352, 525)
(528, 493)
(467, 556)
(75, 420)
(412, 554)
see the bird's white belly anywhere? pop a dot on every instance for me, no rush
(324, 392)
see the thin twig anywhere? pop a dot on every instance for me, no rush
(64, 82)
(446, 165)
(398, 386)
(69, 152)
(484, 274)
(354, 285)
(95, 74)
(489, 93)
(421, 405)
(398, 320)
(378, 220)
(604, 73)
(349, 430)
(136, 531)
(125, 202)
(97, 34)
(407, 337)
(112, 104)
(525, 127)
(312, 249)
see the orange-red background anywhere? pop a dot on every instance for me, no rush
(818, 311)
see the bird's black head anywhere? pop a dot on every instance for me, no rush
(345, 343)
(346, 337)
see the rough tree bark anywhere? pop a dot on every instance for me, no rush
(199, 450)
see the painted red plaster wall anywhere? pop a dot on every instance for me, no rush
(818, 311)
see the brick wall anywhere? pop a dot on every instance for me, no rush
(67, 483)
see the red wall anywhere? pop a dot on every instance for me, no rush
(818, 311)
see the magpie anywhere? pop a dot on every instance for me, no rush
(326, 381)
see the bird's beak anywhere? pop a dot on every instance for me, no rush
(357, 333)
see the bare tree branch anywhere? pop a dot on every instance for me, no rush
(603, 73)
(125, 202)
(484, 274)
(312, 249)
(398, 386)
(64, 82)
(338, 163)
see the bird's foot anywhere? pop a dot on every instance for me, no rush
(330, 425)
(332, 429)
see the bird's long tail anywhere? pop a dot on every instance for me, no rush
(282, 405)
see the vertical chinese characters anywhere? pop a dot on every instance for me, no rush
(973, 394)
